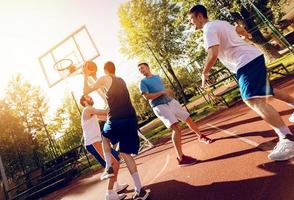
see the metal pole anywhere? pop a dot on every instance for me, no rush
(272, 27)
(73, 96)
(48, 136)
(157, 60)
(159, 63)
(3, 176)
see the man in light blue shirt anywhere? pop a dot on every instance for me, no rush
(169, 111)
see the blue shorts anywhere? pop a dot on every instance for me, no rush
(124, 132)
(93, 150)
(253, 80)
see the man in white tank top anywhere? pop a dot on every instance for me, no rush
(222, 41)
(92, 141)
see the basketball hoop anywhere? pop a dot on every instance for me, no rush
(65, 64)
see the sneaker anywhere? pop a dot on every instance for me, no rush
(108, 173)
(142, 195)
(119, 188)
(114, 196)
(291, 118)
(204, 139)
(284, 150)
(186, 161)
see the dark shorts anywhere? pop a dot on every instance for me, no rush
(124, 132)
(91, 148)
(253, 80)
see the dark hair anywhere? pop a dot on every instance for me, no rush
(143, 63)
(82, 99)
(199, 9)
(110, 67)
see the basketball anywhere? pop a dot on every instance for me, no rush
(72, 68)
(91, 66)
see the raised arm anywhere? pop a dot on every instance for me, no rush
(99, 84)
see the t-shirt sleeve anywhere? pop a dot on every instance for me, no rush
(143, 87)
(210, 38)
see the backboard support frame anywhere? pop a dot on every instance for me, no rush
(76, 52)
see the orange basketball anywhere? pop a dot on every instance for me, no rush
(72, 68)
(91, 66)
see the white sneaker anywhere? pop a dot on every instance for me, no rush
(114, 196)
(291, 118)
(119, 188)
(284, 150)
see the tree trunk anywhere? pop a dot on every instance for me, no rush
(172, 73)
(269, 51)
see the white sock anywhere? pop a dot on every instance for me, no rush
(108, 160)
(115, 184)
(282, 132)
(137, 181)
(110, 191)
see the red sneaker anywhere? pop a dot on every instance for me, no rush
(187, 161)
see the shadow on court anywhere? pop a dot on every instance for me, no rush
(279, 186)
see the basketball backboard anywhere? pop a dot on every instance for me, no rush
(78, 47)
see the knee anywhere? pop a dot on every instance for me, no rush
(253, 103)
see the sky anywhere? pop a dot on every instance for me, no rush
(29, 28)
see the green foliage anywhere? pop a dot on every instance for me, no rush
(153, 23)
(21, 123)
(140, 104)
(67, 123)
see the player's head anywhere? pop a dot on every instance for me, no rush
(109, 68)
(86, 100)
(198, 16)
(144, 69)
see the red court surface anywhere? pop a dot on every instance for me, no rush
(234, 167)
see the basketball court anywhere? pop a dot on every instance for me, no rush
(235, 166)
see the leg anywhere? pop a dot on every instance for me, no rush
(283, 96)
(96, 150)
(284, 149)
(183, 160)
(177, 139)
(107, 151)
(266, 112)
(193, 126)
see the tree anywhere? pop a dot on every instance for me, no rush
(234, 11)
(13, 141)
(67, 122)
(140, 104)
(149, 31)
(27, 103)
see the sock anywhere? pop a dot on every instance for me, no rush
(115, 184)
(137, 182)
(108, 160)
(110, 191)
(282, 132)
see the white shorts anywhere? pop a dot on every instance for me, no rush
(171, 113)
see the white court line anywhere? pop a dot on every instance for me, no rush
(250, 142)
(161, 171)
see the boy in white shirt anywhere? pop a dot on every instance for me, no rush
(92, 141)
